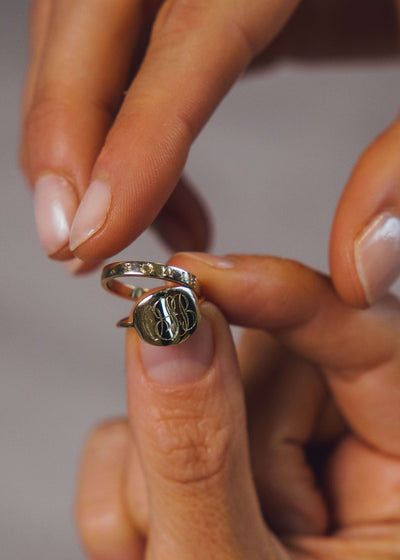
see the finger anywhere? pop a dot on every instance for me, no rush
(363, 487)
(79, 85)
(353, 468)
(356, 349)
(283, 410)
(137, 498)
(183, 222)
(38, 27)
(196, 52)
(365, 240)
(187, 412)
(375, 543)
(105, 527)
(260, 357)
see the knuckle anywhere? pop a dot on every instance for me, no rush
(192, 448)
(179, 17)
(56, 106)
(45, 112)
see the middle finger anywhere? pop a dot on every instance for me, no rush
(83, 72)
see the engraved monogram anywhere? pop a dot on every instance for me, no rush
(167, 316)
(174, 316)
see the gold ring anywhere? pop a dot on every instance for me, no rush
(161, 316)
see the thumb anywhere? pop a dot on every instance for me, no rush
(187, 412)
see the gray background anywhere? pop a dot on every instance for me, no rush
(271, 164)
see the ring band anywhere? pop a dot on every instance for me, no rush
(161, 316)
(148, 270)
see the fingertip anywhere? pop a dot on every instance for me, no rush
(91, 214)
(365, 265)
(344, 274)
(377, 255)
(182, 363)
(55, 206)
(185, 362)
(274, 292)
(365, 239)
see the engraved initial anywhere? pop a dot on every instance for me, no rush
(174, 318)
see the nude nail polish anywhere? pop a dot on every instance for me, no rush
(55, 206)
(91, 214)
(377, 255)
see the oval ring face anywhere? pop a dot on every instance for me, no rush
(167, 316)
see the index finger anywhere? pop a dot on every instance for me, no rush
(196, 52)
(357, 350)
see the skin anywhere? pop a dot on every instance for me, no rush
(182, 477)
(85, 117)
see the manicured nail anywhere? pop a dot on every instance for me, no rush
(212, 260)
(377, 255)
(91, 214)
(55, 207)
(181, 363)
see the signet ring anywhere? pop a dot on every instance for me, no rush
(161, 316)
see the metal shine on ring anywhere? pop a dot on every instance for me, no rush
(162, 316)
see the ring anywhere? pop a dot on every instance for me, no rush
(161, 316)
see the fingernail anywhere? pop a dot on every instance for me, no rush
(212, 260)
(181, 363)
(377, 255)
(91, 214)
(55, 206)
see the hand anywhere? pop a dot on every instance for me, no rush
(80, 127)
(175, 481)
